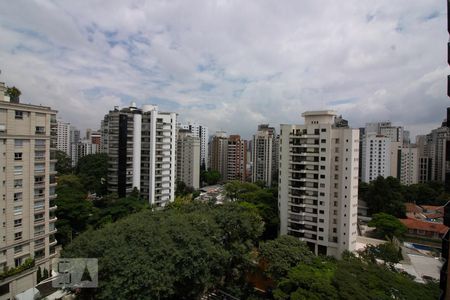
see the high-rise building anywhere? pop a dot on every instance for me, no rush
(318, 185)
(219, 153)
(141, 146)
(82, 148)
(63, 137)
(394, 133)
(188, 158)
(409, 164)
(264, 155)
(236, 158)
(202, 132)
(27, 140)
(376, 157)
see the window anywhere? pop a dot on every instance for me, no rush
(17, 249)
(18, 223)
(39, 205)
(18, 143)
(323, 141)
(322, 176)
(19, 114)
(337, 141)
(17, 236)
(39, 230)
(18, 170)
(40, 130)
(40, 143)
(17, 183)
(17, 197)
(17, 210)
(4, 289)
(40, 168)
(323, 130)
(39, 217)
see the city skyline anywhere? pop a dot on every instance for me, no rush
(216, 63)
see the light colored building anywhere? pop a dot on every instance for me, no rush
(141, 145)
(409, 165)
(265, 155)
(376, 156)
(63, 137)
(318, 184)
(83, 148)
(27, 140)
(394, 133)
(202, 132)
(188, 158)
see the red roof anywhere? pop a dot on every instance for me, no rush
(434, 215)
(413, 208)
(423, 225)
(433, 207)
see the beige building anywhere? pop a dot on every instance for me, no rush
(218, 155)
(318, 184)
(409, 166)
(27, 181)
(188, 158)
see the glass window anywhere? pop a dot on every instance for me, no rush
(17, 210)
(18, 170)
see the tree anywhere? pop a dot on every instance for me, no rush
(211, 177)
(181, 189)
(14, 94)
(387, 225)
(389, 253)
(63, 163)
(385, 195)
(282, 254)
(93, 171)
(177, 253)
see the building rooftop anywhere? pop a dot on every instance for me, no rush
(415, 224)
(319, 113)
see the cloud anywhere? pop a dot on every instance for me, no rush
(230, 64)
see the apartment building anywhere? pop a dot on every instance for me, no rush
(318, 184)
(236, 158)
(141, 145)
(27, 178)
(376, 156)
(63, 137)
(219, 153)
(264, 156)
(188, 158)
(409, 165)
(202, 133)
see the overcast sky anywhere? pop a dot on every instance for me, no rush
(231, 64)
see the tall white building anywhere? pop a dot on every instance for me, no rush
(376, 157)
(141, 145)
(318, 184)
(202, 132)
(264, 155)
(63, 137)
(409, 165)
(188, 158)
(27, 143)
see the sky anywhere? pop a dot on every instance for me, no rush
(231, 65)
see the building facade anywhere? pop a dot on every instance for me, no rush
(141, 146)
(236, 158)
(409, 165)
(63, 137)
(318, 184)
(265, 155)
(28, 136)
(218, 155)
(202, 133)
(376, 157)
(188, 158)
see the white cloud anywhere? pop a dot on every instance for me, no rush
(231, 64)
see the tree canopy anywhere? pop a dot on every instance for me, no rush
(387, 226)
(14, 94)
(177, 253)
(93, 171)
(210, 177)
(63, 163)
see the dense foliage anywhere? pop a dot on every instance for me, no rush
(93, 171)
(210, 177)
(387, 226)
(76, 213)
(177, 253)
(63, 163)
(14, 94)
(388, 195)
(263, 200)
(316, 277)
